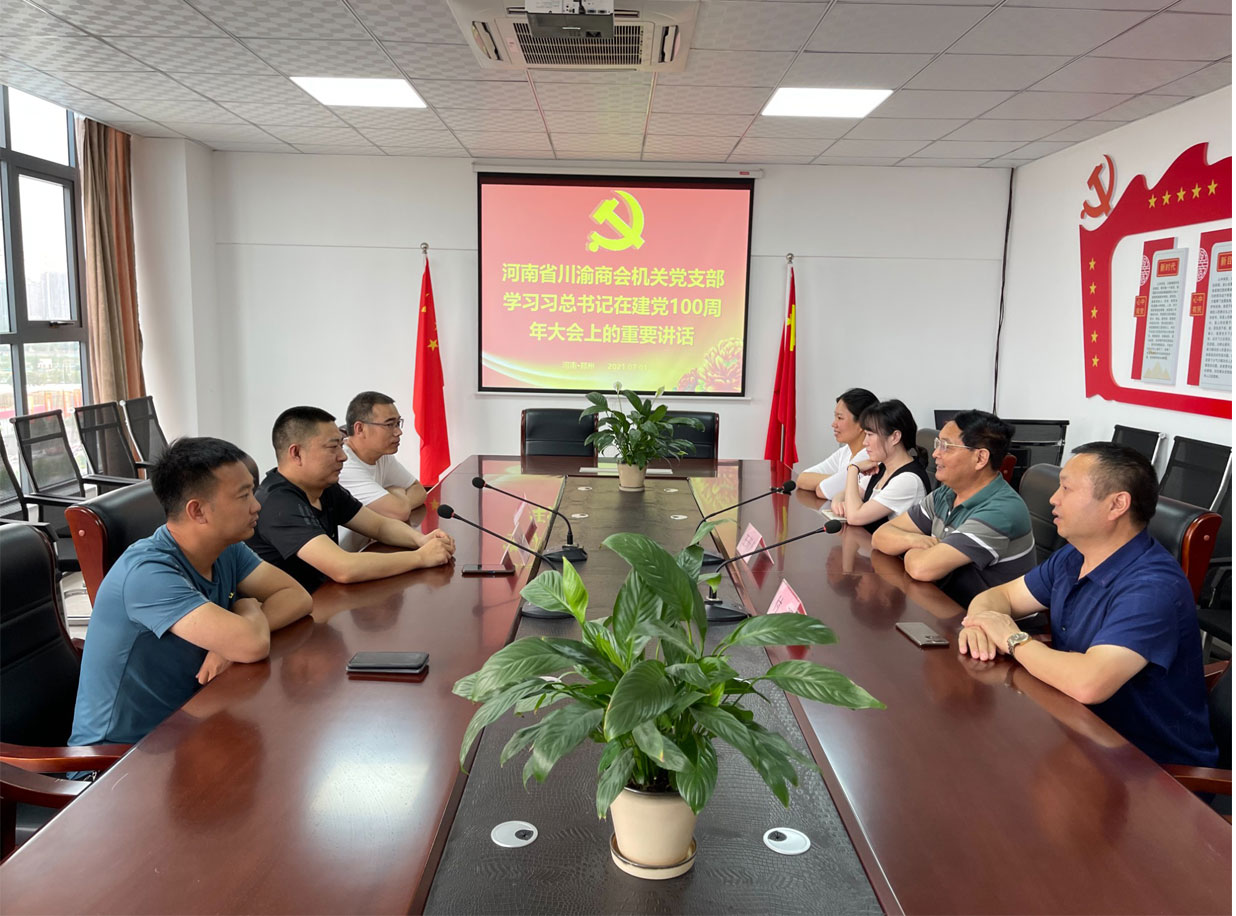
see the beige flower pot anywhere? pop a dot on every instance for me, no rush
(653, 833)
(630, 477)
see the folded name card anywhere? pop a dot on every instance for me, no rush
(786, 601)
(750, 540)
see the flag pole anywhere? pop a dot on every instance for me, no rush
(789, 260)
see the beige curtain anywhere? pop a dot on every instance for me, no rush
(111, 282)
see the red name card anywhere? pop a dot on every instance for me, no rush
(1139, 306)
(1168, 267)
(1225, 261)
(786, 601)
(1197, 305)
(751, 540)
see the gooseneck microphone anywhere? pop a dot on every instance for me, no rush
(713, 559)
(570, 551)
(525, 608)
(718, 611)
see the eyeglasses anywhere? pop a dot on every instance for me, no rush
(392, 425)
(942, 446)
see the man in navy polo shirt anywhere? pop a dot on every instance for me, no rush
(1123, 621)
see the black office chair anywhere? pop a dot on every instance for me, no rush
(1145, 441)
(15, 509)
(1217, 779)
(39, 671)
(103, 437)
(1037, 485)
(942, 417)
(53, 470)
(105, 526)
(1036, 442)
(555, 431)
(144, 428)
(925, 439)
(1196, 472)
(1189, 533)
(704, 440)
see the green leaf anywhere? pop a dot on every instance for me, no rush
(614, 779)
(815, 682)
(704, 674)
(635, 602)
(583, 656)
(780, 630)
(520, 740)
(574, 592)
(690, 560)
(562, 731)
(516, 662)
(547, 591)
(658, 570)
(643, 693)
(683, 701)
(695, 783)
(691, 422)
(671, 635)
(612, 750)
(661, 749)
(635, 400)
(597, 398)
(492, 709)
(540, 701)
(590, 411)
(704, 530)
(596, 636)
(727, 727)
(466, 686)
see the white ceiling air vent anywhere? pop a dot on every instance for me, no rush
(654, 38)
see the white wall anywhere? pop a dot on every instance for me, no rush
(318, 273)
(1042, 332)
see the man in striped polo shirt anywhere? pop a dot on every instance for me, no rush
(973, 531)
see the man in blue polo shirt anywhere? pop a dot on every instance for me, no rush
(1123, 621)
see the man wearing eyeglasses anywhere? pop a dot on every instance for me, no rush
(973, 531)
(372, 473)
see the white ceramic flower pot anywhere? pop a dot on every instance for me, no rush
(630, 477)
(653, 833)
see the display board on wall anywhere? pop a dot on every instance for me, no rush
(1156, 290)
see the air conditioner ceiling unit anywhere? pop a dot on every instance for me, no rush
(653, 38)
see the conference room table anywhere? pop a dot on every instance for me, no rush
(285, 787)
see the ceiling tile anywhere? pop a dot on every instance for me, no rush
(267, 19)
(520, 119)
(1139, 107)
(126, 17)
(1056, 105)
(1005, 163)
(1208, 79)
(56, 53)
(236, 87)
(106, 111)
(856, 160)
(201, 55)
(511, 139)
(707, 149)
(269, 145)
(583, 122)
(906, 129)
(21, 18)
(209, 133)
(1082, 130)
(1174, 36)
(998, 129)
(1026, 30)
(777, 126)
(1152, 6)
(686, 125)
(730, 68)
(485, 152)
(443, 62)
(568, 97)
(456, 151)
(709, 100)
(598, 77)
(1203, 6)
(750, 147)
(476, 94)
(854, 71)
(1040, 149)
(201, 111)
(942, 163)
(382, 136)
(879, 148)
(144, 84)
(892, 27)
(318, 136)
(755, 25)
(939, 103)
(991, 71)
(410, 20)
(1114, 74)
(324, 58)
(330, 149)
(598, 143)
(390, 118)
(145, 129)
(307, 114)
(34, 82)
(771, 160)
(968, 149)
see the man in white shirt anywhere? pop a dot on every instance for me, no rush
(372, 473)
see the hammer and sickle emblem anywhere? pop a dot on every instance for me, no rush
(630, 235)
(1104, 193)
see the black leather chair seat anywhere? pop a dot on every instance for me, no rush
(556, 431)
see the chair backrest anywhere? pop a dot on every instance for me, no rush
(1221, 717)
(555, 431)
(1196, 471)
(144, 427)
(1145, 441)
(705, 440)
(1007, 466)
(105, 526)
(49, 458)
(39, 666)
(925, 439)
(1189, 533)
(12, 500)
(103, 438)
(1037, 485)
(941, 417)
(1036, 442)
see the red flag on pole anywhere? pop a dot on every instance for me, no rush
(780, 445)
(428, 406)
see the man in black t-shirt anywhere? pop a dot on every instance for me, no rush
(303, 507)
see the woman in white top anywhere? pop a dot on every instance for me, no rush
(890, 480)
(827, 479)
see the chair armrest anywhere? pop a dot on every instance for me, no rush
(103, 480)
(62, 759)
(1201, 779)
(17, 785)
(145, 464)
(42, 499)
(1214, 672)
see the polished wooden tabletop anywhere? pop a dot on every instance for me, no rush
(284, 787)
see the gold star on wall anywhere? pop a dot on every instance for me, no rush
(1094, 336)
(1167, 198)
(1092, 289)
(1197, 190)
(1152, 200)
(1212, 186)
(1180, 194)
(1094, 361)
(1094, 313)
(1092, 263)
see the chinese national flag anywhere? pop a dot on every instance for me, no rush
(780, 443)
(427, 403)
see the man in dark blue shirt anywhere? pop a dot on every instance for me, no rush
(1124, 626)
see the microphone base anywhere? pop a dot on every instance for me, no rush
(532, 610)
(572, 552)
(717, 611)
(712, 559)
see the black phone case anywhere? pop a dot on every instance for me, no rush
(388, 662)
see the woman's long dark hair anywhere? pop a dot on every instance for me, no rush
(888, 417)
(857, 400)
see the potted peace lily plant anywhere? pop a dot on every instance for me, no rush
(640, 683)
(640, 436)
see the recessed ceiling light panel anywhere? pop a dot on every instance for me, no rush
(360, 93)
(825, 103)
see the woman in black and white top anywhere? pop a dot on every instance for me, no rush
(890, 480)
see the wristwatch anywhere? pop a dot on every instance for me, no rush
(1016, 640)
